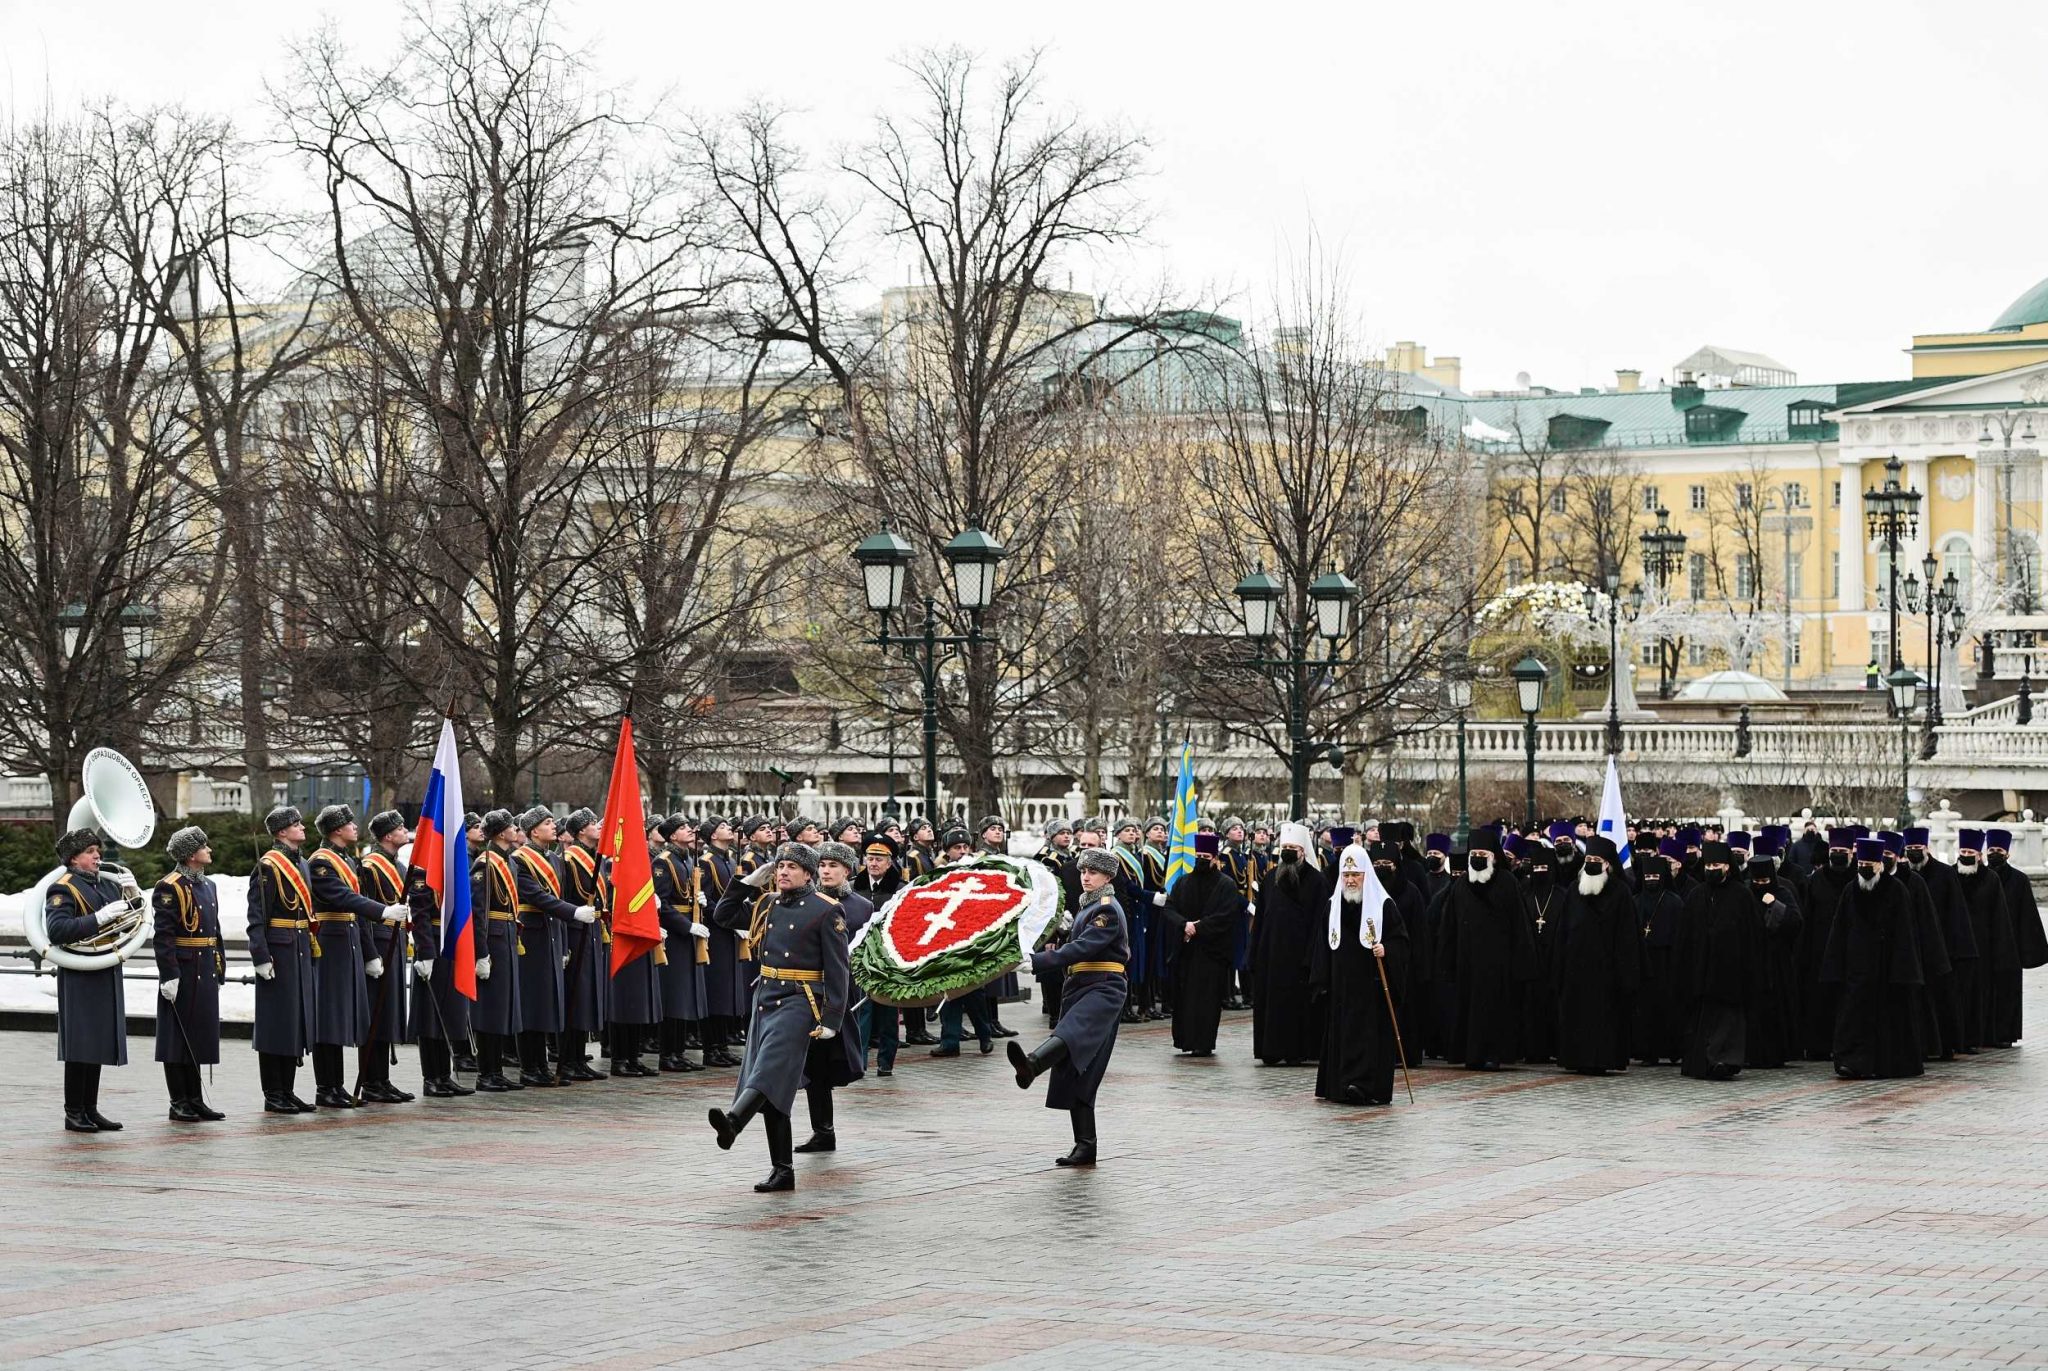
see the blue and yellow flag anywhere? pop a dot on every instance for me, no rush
(1180, 856)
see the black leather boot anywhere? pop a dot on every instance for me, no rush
(727, 1123)
(1041, 1059)
(781, 1174)
(1084, 1138)
(823, 1138)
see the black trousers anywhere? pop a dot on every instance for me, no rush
(278, 1072)
(533, 1052)
(490, 1053)
(81, 1085)
(781, 1144)
(575, 1048)
(626, 1042)
(819, 1098)
(374, 1060)
(182, 1080)
(436, 1062)
(327, 1067)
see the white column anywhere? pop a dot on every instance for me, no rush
(1851, 545)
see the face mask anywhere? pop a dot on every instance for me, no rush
(1652, 877)
(1917, 856)
(1385, 869)
(1715, 876)
(1838, 860)
(1866, 877)
(1997, 858)
(1595, 868)
(1436, 861)
(1967, 861)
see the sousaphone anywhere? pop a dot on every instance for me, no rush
(116, 803)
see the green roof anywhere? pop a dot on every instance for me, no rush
(2031, 308)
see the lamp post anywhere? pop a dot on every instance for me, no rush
(884, 561)
(1663, 557)
(1892, 514)
(1530, 677)
(1331, 597)
(1936, 600)
(1905, 688)
(1611, 577)
(1458, 695)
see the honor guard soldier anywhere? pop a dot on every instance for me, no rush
(190, 964)
(440, 1011)
(544, 919)
(342, 919)
(725, 974)
(92, 1014)
(800, 998)
(1094, 957)
(395, 883)
(682, 979)
(282, 950)
(494, 917)
(839, 1060)
(587, 979)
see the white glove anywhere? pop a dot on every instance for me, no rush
(109, 914)
(130, 890)
(375, 968)
(1251, 907)
(267, 971)
(169, 990)
(1159, 898)
(699, 931)
(586, 914)
(565, 961)
(664, 935)
(423, 970)
(759, 877)
(483, 968)
(395, 913)
(821, 1033)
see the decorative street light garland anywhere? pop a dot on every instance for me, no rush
(956, 929)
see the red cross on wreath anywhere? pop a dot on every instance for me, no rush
(954, 909)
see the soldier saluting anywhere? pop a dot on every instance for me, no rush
(190, 961)
(800, 939)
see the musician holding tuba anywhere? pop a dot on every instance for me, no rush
(92, 1014)
(190, 963)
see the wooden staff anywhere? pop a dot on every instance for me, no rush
(1373, 943)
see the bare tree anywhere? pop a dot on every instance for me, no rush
(105, 562)
(952, 401)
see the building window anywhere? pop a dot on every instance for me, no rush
(1835, 575)
(1651, 500)
(1745, 576)
(1795, 576)
(1795, 495)
(1646, 653)
(1557, 500)
(1959, 560)
(1881, 646)
(1695, 654)
(1696, 575)
(1517, 571)
(1835, 495)
(1696, 496)
(1745, 495)
(1796, 648)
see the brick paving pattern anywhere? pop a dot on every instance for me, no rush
(1530, 1219)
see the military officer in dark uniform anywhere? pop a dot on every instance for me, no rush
(494, 924)
(544, 918)
(587, 979)
(725, 974)
(190, 963)
(347, 962)
(682, 978)
(877, 882)
(1094, 956)
(281, 949)
(440, 1011)
(839, 1060)
(394, 882)
(800, 998)
(92, 1014)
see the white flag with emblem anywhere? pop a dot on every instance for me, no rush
(1613, 818)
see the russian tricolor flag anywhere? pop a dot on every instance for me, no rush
(440, 847)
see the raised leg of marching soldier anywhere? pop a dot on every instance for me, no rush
(283, 952)
(800, 998)
(92, 1016)
(190, 959)
(1094, 959)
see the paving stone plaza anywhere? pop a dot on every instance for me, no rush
(1527, 1219)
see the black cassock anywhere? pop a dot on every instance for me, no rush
(1203, 965)
(1545, 896)
(1484, 951)
(1774, 1018)
(2028, 942)
(1359, 1053)
(1941, 1023)
(1873, 957)
(1988, 1002)
(1720, 974)
(1659, 1031)
(1294, 904)
(1599, 966)
(1816, 997)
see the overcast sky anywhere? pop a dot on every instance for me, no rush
(1562, 189)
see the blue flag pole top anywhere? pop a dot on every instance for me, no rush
(1180, 857)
